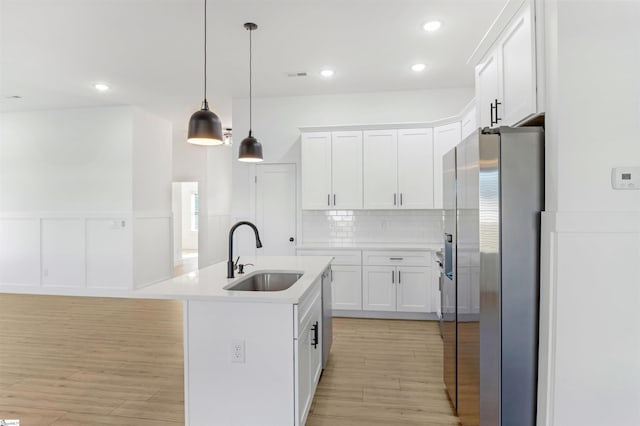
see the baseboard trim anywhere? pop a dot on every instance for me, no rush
(425, 316)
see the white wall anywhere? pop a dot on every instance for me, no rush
(151, 170)
(78, 195)
(590, 321)
(176, 208)
(211, 168)
(276, 122)
(189, 236)
(66, 160)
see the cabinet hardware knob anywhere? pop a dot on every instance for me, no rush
(291, 239)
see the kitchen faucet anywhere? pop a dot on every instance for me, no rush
(230, 265)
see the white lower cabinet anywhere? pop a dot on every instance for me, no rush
(308, 357)
(346, 287)
(397, 281)
(346, 277)
(379, 291)
(280, 369)
(413, 289)
(397, 289)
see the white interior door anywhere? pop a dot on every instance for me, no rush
(276, 208)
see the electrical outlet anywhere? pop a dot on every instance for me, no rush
(237, 351)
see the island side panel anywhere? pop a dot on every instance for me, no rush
(259, 391)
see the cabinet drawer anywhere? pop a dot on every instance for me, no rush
(340, 257)
(305, 309)
(400, 258)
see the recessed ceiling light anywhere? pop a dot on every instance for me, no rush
(101, 87)
(432, 26)
(327, 73)
(418, 67)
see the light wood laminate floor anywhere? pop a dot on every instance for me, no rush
(78, 361)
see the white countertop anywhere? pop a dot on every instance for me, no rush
(209, 283)
(371, 246)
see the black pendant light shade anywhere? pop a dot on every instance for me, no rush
(250, 150)
(205, 127)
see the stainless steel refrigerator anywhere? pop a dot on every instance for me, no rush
(493, 187)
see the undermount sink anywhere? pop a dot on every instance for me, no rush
(267, 281)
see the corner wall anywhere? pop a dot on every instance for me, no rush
(590, 290)
(68, 179)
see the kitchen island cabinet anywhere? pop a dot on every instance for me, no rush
(251, 357)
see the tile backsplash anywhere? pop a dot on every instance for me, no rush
(371, 226)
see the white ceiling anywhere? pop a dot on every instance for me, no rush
(150, 51)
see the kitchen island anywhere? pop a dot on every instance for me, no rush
(251, 357)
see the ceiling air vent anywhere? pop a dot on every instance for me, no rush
(296, 74)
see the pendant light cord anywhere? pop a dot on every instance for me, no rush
(205, 104)
(250, 74)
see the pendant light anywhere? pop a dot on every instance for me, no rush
(205, 127)
(250, 150)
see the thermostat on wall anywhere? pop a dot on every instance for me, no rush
(625, 178)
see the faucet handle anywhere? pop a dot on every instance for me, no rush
(235, 264)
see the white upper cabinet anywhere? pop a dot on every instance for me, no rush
(517, 50)
(346, 165)
(468, 123)
(380, 169)
(506, 78)
(445, 138)
(316, 170)
(415, 161)
(487, 90)
(397, 169)
(331, 170)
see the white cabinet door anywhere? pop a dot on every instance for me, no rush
(517, 51)
(415, 164)
(379, 288)
(380, 169)
(315, 353)
(346, 287)
(304, 394)
(413, 289)
(445, 138)
(487, 89)
(468, 123)
(316, 170)
(346, 160)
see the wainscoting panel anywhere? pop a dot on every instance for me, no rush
(109, 253)
(20, 251)
(63, 253)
